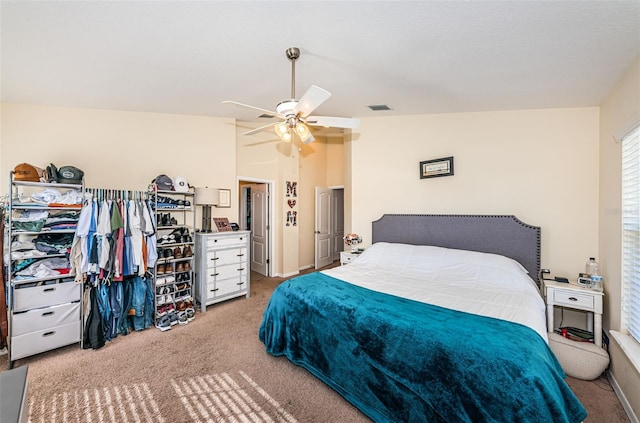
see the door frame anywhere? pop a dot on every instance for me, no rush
(271, 206)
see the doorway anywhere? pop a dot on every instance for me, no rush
(256, 214)
(329, 225)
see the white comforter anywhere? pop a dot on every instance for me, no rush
(480, 283)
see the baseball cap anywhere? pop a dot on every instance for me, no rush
(163, 183)
(70, 175)
(180, 184)
(27, 173)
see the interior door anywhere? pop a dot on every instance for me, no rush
(323, 254)
(260, 229)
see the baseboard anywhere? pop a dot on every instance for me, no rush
(623, 399)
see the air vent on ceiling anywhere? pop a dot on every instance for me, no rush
(377, 107)
(265, 116)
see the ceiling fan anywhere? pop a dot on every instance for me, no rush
(295, 113)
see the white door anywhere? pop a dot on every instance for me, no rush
(259, 229)
(337, 222)
(323, 256)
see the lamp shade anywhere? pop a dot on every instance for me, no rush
(207, 196)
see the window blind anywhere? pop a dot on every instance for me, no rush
(631, 233)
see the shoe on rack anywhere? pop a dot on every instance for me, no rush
(167, 254)
(164, 323)
(181, 306)
(182, 318)
(160, 269)
(191, 313)
(187, 252)
(177, 253)
(173, 317)
(173, 221)
(187, 266)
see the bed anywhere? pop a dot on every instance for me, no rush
(440, 320)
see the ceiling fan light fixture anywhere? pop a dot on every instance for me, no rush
(303, 131)
(282, 130)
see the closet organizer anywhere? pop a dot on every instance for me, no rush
(113, 252)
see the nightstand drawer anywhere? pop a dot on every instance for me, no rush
(573, 299)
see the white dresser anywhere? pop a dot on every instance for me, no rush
(222, 266)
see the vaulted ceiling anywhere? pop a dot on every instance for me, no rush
(416, 57)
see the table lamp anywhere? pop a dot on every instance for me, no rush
(206, 197)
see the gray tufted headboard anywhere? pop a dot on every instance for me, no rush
(499, 234)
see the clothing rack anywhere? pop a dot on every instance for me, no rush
(117, 194)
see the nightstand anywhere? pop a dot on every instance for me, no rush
(347, 257)
(574, 296)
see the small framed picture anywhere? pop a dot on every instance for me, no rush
(222, 224)
(437, 167)
(224, 197)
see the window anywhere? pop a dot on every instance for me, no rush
(631, 233)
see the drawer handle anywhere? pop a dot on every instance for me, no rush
(241, 269)
(240, 255)
(48, 290)
(213, 290)
(573, 299)
(53, 332)
(214, 274)
(48, 313)
(240, 283)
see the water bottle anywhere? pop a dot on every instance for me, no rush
(592, 267)
(597, 283)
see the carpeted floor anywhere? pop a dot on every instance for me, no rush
(212, 369)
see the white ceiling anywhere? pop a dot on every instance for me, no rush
(415, 56)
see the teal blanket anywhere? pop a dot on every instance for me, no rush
(399, 360)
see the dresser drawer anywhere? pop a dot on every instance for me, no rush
(228, 256)
(44, 340)
(45, 318)
(226, 272)
(573, 299)
(225, 287)
(225, 241)
(46, 295)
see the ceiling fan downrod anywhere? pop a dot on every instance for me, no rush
(292, 54)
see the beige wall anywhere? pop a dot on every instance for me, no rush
(540, 165)
(621, 107)
(264, 156)
(121, 150)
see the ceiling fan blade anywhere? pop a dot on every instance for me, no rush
(333, 122)
(264, 111)
(261, 128)
(313, 98)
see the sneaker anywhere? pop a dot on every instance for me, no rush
(168, 268)
(164, 323)
(173, 318)
(167, 253)
(182, 318)
(191, 314)
(160, 269)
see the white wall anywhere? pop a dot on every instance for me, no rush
(540, 165)
(621, 107)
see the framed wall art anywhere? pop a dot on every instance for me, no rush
(224, 197)
(437, 167)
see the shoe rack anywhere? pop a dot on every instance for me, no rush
(173, 271)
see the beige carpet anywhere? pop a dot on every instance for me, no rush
(214, 369)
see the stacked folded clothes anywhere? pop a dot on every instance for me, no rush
(28, 220)
(59, 220)
(53, 243)
(41, 268)
(52, 197)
